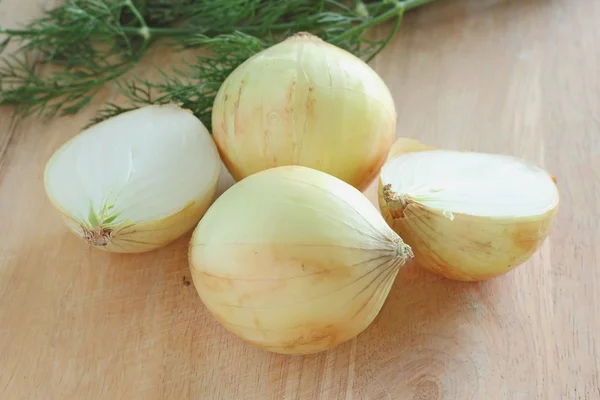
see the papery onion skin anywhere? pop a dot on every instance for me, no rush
(294, 261)
(466, 248)
(305, 102)
(186, 141)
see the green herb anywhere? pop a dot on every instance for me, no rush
(85, 44)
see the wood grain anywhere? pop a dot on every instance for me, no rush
(519, 77)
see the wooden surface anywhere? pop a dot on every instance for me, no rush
(519, 77)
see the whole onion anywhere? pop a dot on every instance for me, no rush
(294, 260)
(305, 102)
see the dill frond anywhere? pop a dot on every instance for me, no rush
(195, 85)
(89, 43)
(87, 46)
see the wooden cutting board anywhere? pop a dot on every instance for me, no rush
(520, 77)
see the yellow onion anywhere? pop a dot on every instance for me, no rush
(137, 181)
(305, 102)
(467, 216)
(294, 260)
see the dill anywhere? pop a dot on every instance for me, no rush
(65, 57)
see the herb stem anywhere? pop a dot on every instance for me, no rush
(398, 9)
(143, 31)
(20, 32)
(410, 4)
(388, 39)
(136, 12)
(159, 31)
(142, 7)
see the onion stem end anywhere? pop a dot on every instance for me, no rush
(98, 237)
(394, 201)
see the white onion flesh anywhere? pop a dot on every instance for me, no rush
(486, 185)
(137, 181)
(467, 216)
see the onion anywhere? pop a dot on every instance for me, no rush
(305, 102)
(137, 181)
(467, 216)
(294, 260)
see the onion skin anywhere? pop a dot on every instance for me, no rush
(467, 248)
(305, 102)
(294, 261)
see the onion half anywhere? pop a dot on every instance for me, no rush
(137, 181)
(305, 102)
(294, 260)
(467, 216)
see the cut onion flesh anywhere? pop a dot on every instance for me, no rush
(476, 184)
(137, 181)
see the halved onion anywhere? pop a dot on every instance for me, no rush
(137, 181)
(467, 216)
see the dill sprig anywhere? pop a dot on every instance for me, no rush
(84, 44)
(194, 86)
